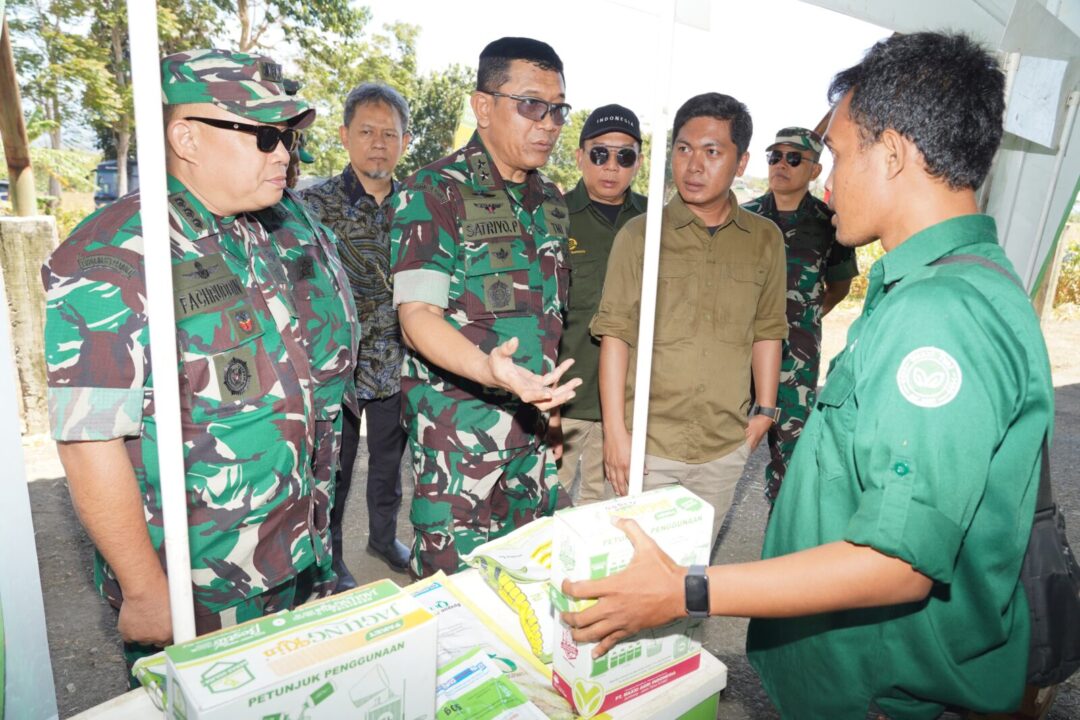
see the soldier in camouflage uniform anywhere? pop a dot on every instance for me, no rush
(819, 273)
(356, 204)
(259, 367)
(479, 254)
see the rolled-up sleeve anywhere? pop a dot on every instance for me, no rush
(95, 340)
(770, 322)
(620, 301)
(938, 377)
(423, 247)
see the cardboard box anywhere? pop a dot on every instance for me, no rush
(585, 545)
(366, 654)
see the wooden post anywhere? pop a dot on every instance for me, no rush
(13, 131)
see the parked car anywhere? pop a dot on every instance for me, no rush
(106, 181)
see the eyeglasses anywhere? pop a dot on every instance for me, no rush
(267, 137)
(793, 158)
(626, 157)
(535, 108)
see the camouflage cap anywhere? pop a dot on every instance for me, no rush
(799, 137)
(250, 86)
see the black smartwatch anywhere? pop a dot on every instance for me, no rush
(772, 413)
(697, 592)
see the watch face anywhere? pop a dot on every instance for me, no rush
(697, 593)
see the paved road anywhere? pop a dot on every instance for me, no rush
(88, 667)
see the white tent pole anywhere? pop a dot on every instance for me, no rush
(146, 85)
(647, 319)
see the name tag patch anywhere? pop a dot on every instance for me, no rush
(204, 285)
(484, 229)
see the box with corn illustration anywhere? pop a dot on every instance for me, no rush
(368, 653)
(586, 546)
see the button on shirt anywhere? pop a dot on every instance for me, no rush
(717, 294)
(924, 445)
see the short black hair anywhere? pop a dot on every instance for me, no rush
(493, 70)
(943, 92)
(720, 107)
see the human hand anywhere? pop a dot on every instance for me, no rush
(543, 391)
(617, 458)
(648, 593)
(145, 616)
(756, 429)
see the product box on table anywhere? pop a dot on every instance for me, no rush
(368, 653)
(586, 546)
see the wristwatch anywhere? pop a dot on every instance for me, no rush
(772, 413)
(697, 592)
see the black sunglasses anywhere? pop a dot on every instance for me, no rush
(534, 108)
(267, 137)
(626, 157)
(793, 158)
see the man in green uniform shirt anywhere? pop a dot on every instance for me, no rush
(819, 273)
(608, 156)
(478, 252)
(251, 399)
(892, 558)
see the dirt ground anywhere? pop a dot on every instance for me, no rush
(88, 667)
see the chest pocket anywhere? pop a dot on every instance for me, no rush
(676, 300)
(834, 427)
(736, 303)
(586, 284)
(498, 282)
(224, 364)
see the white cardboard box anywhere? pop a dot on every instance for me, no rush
(366, 654)
(585, 545)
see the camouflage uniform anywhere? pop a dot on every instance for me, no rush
(813, 258)
(495, 256)
(329, 328)
(256, 367)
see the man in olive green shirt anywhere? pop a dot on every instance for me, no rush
(608, 156)
(720, 316)
(892, 557)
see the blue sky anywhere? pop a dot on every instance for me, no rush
(777, 56)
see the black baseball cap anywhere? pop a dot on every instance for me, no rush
(610, 118)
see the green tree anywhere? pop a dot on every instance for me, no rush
(436, 104)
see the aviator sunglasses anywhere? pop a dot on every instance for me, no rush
(534, 108)
(626, 157)
(267, 137)
(793, 158)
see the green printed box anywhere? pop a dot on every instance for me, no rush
(368, 653)
(585, 545)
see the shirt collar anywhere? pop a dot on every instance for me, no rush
(578, 199)
(192, 210)
(355, 191)
(485, 177)
(935, 242)
(681, 216)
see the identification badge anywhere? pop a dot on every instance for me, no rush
(556, 218)
(236, 374)
(499, 293)
(204, 285)
(499, 255)
(245, 324)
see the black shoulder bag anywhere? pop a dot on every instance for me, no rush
(1050, 574)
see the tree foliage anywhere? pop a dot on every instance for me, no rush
(436, 103)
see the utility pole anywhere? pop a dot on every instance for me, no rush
(13, 132)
